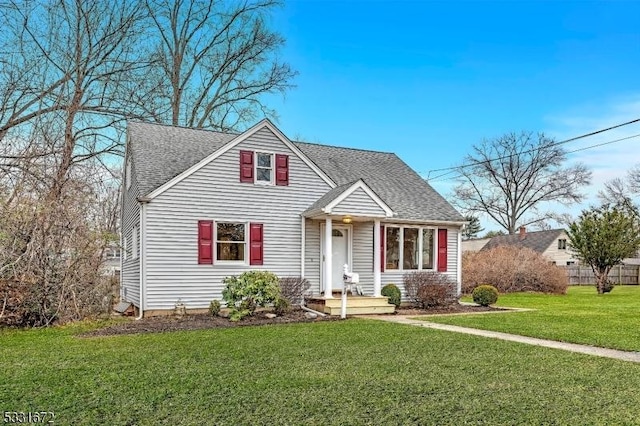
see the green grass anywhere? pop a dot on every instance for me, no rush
(581, 316)
(334, 373)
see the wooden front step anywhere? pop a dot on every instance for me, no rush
(356, 305)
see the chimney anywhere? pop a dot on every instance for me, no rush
(523, 232)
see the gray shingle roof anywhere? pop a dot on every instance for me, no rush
(408, 195)
(162, 152)
(329, 197)
(538, 240)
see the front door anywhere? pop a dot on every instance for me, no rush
(340, 245)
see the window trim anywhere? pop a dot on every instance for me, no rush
(134, 242)
(246, 243)
(420, 247)
(272, 155)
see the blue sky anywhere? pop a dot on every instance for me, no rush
(427, 79)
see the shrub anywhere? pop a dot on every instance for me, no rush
(293, 288)
(511, 269)
(608, 286)
(485, 295)
(249, 290)
(214, 308)
(428, 289)
(392, 292)
(281, 306)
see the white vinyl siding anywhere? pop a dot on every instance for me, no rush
(214, 193)
(130, 221)
(358, 203)
(312, 256)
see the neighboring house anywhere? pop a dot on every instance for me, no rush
(474, 244)
(111, 265)
(199, 206)
(553, 244)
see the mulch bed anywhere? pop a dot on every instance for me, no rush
(203, 321)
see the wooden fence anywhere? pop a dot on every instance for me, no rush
(620, 274)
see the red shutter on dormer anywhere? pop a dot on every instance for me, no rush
(382, 230)
(442, 250)
(246, 166)
(256, 244)
(282, 169)
(205, 242)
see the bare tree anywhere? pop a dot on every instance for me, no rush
(69, 56)
(215, 62)
(59, 122)
(622, 191)
(511, 177)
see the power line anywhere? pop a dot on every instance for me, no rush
(437, 178)
(475, 163)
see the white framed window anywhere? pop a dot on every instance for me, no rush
(134, 242)
(409, 248)
(264, 168)
(231, 242)
(124, 248)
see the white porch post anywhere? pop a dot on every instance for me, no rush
(376, 258)
(328, 254)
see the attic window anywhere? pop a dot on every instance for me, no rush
(264, 167)
(562, 244)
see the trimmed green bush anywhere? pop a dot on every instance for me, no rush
(485, 295)
(249, 290)
(281, 306)
(214, 308)
(392, 292)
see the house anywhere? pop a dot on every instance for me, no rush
(553, 244)
(199, 206)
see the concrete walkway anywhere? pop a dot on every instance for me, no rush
(571, 347)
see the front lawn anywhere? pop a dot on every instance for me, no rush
(332, 373)
(581, 316)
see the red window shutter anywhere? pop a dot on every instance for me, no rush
(282, 169)
(382, 234)
(246, 166)
(256, 244)
(205, 242)
(442, 250)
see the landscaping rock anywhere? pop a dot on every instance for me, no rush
(310, 315)
(270, 315)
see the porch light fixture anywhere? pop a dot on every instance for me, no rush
(347, 219)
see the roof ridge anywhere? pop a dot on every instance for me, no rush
(344, 147)
(134, 121)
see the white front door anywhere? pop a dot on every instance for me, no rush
(340, 244)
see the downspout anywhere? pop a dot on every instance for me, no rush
(459, 262)
(303, 246)
(142, 248)
(304, 308)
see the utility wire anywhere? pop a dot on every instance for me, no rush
(437, 178)
(475, 163)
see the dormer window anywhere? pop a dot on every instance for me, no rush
(264, 167)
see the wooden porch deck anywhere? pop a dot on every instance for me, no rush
(356, 305)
